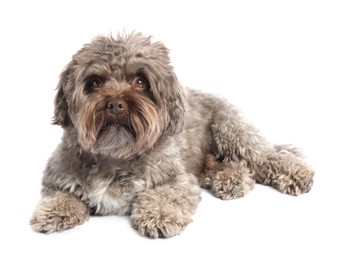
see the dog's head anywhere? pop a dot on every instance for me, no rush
(120, 95)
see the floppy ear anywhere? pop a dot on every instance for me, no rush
(168, 92)
(171, 100)
(61, 116)
(174, 103)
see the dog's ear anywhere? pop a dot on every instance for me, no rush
(61, 116)
(169, 94)
(174, 104)
(171, 100)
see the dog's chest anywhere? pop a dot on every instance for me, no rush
(113, 194)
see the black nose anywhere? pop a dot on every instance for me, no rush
(116, 106)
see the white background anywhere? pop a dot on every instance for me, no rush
(282, 62)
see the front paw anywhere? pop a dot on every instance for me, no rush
(156, 225)
(164, 212)
(57, 213)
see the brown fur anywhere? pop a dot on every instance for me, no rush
(286, 172)
(137, 143)
(227, 180)
(59, 212)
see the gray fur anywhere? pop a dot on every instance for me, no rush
(150, 161)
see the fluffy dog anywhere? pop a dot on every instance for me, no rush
(136, 142)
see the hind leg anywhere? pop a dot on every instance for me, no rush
(281, 167)
(286, 171)
(236, 139)
(237, 146)
(227, 180)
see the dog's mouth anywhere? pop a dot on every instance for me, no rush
(129, 130)
(115, 140)
(121, 124)
(115, 136)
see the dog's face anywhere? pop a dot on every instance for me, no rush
(120, 95)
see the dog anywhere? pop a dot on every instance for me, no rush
(137, 143)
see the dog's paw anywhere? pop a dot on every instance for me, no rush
(158, 226)
(232, 184)
(58, 213)
(288, 173)
(299, 182)
(164, 212)
(227, 180)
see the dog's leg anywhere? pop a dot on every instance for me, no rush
(281, 167)
(236, 139)
(286, 170)
(238, 147)
(227, 180)
(59, 212)
(166, 210)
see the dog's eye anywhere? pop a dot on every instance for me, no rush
(94, 83)
(139, 82)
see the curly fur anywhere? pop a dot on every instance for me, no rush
(227, 180)
(136, 142)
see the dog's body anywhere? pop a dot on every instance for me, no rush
(135, 143)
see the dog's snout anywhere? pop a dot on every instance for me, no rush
(116, 106)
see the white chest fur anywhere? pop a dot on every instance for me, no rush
(108, 198)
